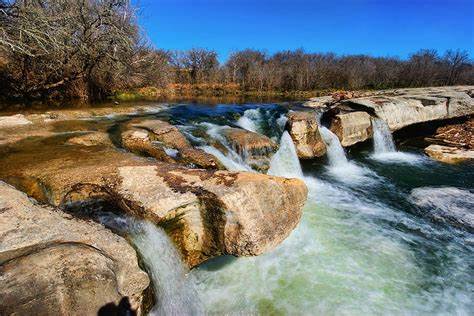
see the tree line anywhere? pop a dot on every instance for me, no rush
(90, 49)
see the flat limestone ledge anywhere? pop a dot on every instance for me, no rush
(8, 121)
(449, 154)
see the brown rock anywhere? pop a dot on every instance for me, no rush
(255, 149)
(352, 128)
(91, 139)
(154, 138)
(449, 154)
(53, 264)
(209, 213)
(304, 131)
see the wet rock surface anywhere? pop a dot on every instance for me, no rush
(52, 263)
(304, 130)
(256, 149)
(165, 142)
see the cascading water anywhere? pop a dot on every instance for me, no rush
(335, 152)
(174, 288)
(339, 166)
(249, 120)
(384, 145)
(383, 140)
(285, 162)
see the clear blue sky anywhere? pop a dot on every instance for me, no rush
(381, 28)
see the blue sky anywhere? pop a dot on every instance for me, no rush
(380, 28)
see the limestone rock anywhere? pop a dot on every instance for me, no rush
(91, 139)
(352, 127)
(209, 213)
(303, 129)
(53, 264)
(139, 142)
(404, 107)
(449, 154)
(165, 142)
(256, 149)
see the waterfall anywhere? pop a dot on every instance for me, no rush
(285, 162)
(232, 161)
(174, 288)
(339, 166)
(384, 146)
(383, 140)
(335, 152)
(249, 120)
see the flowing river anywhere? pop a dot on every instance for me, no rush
(375, 237)
(385, 230)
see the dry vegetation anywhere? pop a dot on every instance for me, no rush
(91, 49)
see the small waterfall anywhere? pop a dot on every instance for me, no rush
(232, 161)
(384, 146)
(285, 162)
(250, 120)
(383, 140)
(174, 287)
(339, 166)
(335, 152)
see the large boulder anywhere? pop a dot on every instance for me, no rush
(404, 107)
(255, 149)
(210, 213)
(165, 142)
(303, 129)
(352, 127)
(54, 264)
(206, 212)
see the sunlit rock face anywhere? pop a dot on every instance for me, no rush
(303, 129)
(449, 154)
(404, 107)
(255, 149)
(352, 127)
(164, 142)
(52, 263)
(209, 213)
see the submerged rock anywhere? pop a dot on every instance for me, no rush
(304, 130)
(449, 154)
(91, 139)
(210, 213)
(255, 149)
(53, 264)
(165, 142)
(352, 127)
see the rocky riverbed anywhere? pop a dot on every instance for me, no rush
(83, 193)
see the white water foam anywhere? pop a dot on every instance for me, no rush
(250, 120)
(339, 166)
(384, 146)
(285, 162)
(446, 204)
(174, 287)
(232, 161)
